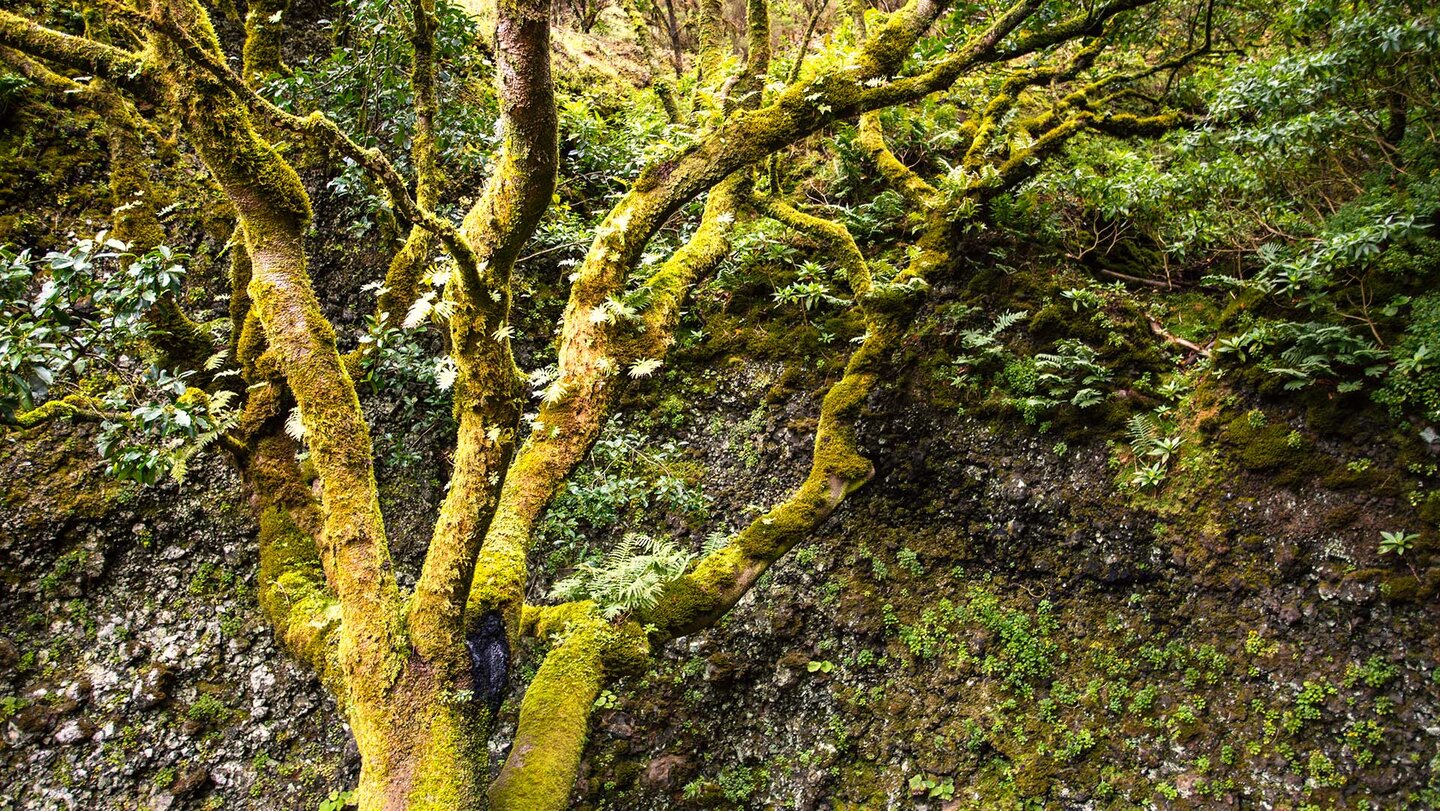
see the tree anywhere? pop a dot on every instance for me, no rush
(418, 673)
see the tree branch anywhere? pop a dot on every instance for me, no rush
(489, 391)
(871, 137)
(274, 212)
(566, 429)
(117, 65)
(317, 125)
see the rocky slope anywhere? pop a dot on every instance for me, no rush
(993, 623)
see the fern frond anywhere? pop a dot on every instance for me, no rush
(294, 426)
(216, 360)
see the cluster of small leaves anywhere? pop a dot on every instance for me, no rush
(400, 369)
(932, 787)
(1413, 383)
(12, 89)
(1068, 376)
(161, 436)
(337, 801)
(604, 148)
(810, 289)
(1022, 656)
(75, 322)
(71, 314)
(1308, 352)
(1072, 370)
(1305, 276)
(982, 346)
(759, 252)
(1397, 542)
(1357, 41)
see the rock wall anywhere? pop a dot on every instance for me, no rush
(136, 671)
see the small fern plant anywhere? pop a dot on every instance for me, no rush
(1154, 443)
(982, 345)
(631, 577)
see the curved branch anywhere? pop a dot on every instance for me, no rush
(871, 137)
(274, 213)
(833, 235)
(838, 468)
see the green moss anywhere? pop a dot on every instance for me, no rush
(554, 718)
(265, 25)
(1274, 449)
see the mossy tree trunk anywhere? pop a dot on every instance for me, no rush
(419, 675)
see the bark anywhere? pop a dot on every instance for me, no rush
(274, 212)
(489, 389)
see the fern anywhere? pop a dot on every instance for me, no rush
(984, 344)
(631, 577)
(1143, 433)
(1006, 320)
(224, 420)
(294, 425)
(216, 360)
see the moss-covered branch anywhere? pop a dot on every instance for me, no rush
(274, 213)
(1005, 100)
(871, 137)
(117, 65)
(489, 389)
(72, 406)
(838, 467)
(991, 47)
(714, 42)
(831, 234)
(317, 125)
(554, 716)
